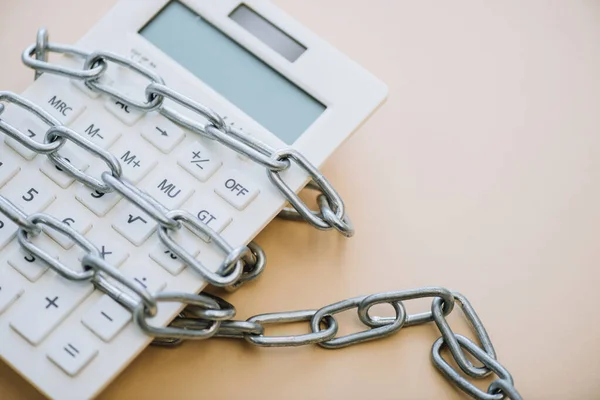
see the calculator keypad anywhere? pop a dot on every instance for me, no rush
(157, 156)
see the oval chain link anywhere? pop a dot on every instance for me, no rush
(153, 101)
(450, 338)
(357, 337)
(39, 219)
(65, 166)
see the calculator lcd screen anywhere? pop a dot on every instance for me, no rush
(242, 78)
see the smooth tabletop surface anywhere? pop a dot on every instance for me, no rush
(480, 173)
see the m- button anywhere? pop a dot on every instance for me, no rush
(237, 189)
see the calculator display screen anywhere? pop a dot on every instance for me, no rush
(245, 80)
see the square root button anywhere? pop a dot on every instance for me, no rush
(237, 189)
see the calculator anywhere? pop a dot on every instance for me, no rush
(266, 74)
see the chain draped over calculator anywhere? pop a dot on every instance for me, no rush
(203, 315)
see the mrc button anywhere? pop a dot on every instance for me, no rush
(237, 189)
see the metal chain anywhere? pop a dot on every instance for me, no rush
(324, 328)
(206, 315)
(331, 213)
(240, 264)
(106, 277)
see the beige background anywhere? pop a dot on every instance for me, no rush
(480, 173)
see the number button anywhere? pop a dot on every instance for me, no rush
(36, 130)
(106, 318)
(162, 133)
(56, 173)
(73, 215)
(73, 353)
(137, 159)
(237, 189)
(31, 197)
(97, 202)
(198, 161)
(95, 127)
(27, 264)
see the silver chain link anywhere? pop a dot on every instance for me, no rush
(205, 315)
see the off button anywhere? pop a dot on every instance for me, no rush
(237, 189)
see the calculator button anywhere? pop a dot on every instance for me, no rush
(57, 174)
(162, 133)
(10, 291)
(64, 106)
(198, 161)
(8, 230)
(27, 264)
(8, 169)
(106, 318)
(96, 202)
(168, 187)
(30, 197)
(209, 211)
(96, 126)
(72, 353)
(75, 216)
(113, 252)
(134, 224)
(127, 114)
(151, 279)
(35, 129)
(237, 189)
(136, 158)
(46, 306)
(170, 261)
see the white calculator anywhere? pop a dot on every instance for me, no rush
(266, 74)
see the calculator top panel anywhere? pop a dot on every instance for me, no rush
(347, 92)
